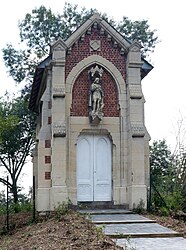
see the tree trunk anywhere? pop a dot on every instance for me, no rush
(15, 194)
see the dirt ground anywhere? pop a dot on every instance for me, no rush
(71, 231)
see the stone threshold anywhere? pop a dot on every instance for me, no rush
(105, 211)
(100, 205)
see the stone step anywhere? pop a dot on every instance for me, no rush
(104, 211)
(123, 222)
(133, 231)
(162, 243)
(120, 223)
(137, 230)
(122, 217)
(102, 205)
(145, 235)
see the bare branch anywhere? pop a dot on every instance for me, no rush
(5, 182)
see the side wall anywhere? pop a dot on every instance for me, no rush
(42, 154)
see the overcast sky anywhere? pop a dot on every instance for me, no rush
(165, 86)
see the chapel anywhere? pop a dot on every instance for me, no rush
(92, 145)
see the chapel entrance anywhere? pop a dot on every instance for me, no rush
(94, 168)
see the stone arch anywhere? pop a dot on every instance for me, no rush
(96, 59)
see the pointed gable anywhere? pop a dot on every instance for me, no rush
(104, 27)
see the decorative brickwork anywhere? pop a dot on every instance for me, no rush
(47, 159)
(47, 175)
(80, 94)
(47, 143)
(108, 50)
(49, 120)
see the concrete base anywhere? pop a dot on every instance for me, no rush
(58, 195)
(43, 199)
(137, 194)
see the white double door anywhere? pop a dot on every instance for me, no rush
(94, 168)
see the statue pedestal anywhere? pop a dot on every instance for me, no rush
(95, 117)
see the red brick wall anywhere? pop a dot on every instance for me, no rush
(80, 94)
(81, 50)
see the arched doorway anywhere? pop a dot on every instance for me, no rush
(94, 168)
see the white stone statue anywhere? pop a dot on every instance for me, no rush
(96, 94)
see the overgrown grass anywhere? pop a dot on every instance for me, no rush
(16, 208)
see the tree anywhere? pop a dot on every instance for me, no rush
(139, 30)
(180, 161)
(2, 199)
(166, 176)
(160, 162)
(41, 27)
(179, 156)
(16, 140)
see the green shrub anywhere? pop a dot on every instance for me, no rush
(2, 209)
(20, 207)
(164, 211)
(174, 201)
(63, 208)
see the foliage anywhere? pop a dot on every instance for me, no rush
(180, 162)
(20, 63)
(2, 202)
(179, 155)
(167, 177)
(140, 208)
(37, 31)
(16, 140)
(162, 168)
(100, 232)
(63, 209)
(42, 26)
(164, 211)
(141, 31)
(24, 204)
(129, 245)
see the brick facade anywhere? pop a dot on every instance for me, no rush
(81, 50)
(108, 50)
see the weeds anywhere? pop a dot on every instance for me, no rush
(99, 232)
(140, 209)
(63, 209)
(128, 244)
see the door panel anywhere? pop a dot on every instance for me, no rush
(85, 169)
(102, 169)
(93, 168)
